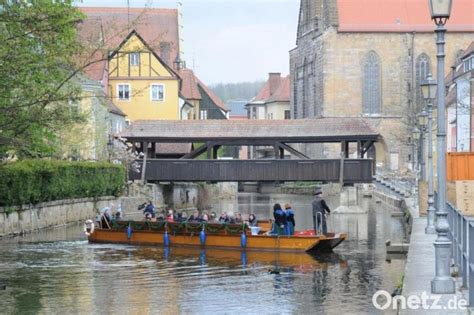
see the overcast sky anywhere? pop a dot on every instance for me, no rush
(231, 40)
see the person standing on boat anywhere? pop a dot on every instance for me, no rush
(320, 210)
(290, 219)
(279, 226)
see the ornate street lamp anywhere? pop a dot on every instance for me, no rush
(442, 282)
(428, 89)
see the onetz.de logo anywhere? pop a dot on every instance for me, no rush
(383, 300)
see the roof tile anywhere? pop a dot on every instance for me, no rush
(400, 16)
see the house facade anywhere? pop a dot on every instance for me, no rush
(205, 103)
(460, 102)
(140, 83)
(272, 102)
(101, 120)
(367, 59)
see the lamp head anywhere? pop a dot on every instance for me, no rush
(440, 10)
(428, 88)
(423, 118)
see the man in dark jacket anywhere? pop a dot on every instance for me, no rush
(319, 206)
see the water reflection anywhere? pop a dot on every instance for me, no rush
(59, 272)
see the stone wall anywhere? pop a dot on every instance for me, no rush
(15, 220)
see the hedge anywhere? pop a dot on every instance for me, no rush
(33, 181)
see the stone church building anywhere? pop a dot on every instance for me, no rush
(367, 59)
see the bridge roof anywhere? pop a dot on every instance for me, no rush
(252, 131)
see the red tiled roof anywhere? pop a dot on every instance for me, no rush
(263, 94)
(216, 99)
(280, 93)
(158, 27)
(400, 16)
(190, 90)
(189, 87)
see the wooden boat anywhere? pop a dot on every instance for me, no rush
(204, 235)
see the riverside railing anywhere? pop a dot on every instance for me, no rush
(461, 232)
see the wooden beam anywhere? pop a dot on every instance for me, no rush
(195, 153)
(209, 150)
(145, 155)
(293, 151)
(366, 147)
(282, 153)
(215, 149)
(341, 170)
(276, 151)
(359, 149)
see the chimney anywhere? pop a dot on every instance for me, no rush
(274, 81)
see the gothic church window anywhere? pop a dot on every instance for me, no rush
(423, 67)
(371, 84)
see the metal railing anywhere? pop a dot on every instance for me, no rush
(461, 232)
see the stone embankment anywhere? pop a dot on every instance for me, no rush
(29, 218)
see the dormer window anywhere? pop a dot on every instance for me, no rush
(134, 59)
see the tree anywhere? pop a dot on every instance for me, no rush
(37, 67)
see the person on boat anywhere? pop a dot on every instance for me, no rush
(150, 209)
(105, 217)
(252, 220)
(290, 219)
(279, 226)
(170, 216)
(238, 218)
(320, 211)
(205, 216)
(182, 217)
(119, 213)
(194, 218)
(224, 218)
(213, 218)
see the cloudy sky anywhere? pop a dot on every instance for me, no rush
(231, 40)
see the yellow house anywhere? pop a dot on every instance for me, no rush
(141, 84)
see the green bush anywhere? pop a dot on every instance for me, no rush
(33, 181)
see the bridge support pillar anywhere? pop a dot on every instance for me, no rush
(348, 196)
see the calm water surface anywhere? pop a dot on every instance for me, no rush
(58, 272)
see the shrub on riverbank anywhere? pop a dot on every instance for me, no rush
(33, 181)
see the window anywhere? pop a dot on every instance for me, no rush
(287, 114)
(254, 113)
(134, 59)
(469, 64)
(203, 114)
(371, 84)
(123, 91)
(157, 92)
(423, 67)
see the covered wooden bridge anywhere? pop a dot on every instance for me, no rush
(281, 135)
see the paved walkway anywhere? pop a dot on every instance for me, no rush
(420, 270)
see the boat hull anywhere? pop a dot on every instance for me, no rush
(253, 242)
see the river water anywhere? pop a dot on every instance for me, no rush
(58, 272)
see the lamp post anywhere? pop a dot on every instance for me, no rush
(442, 283)
(428, 89)
(422, 117)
